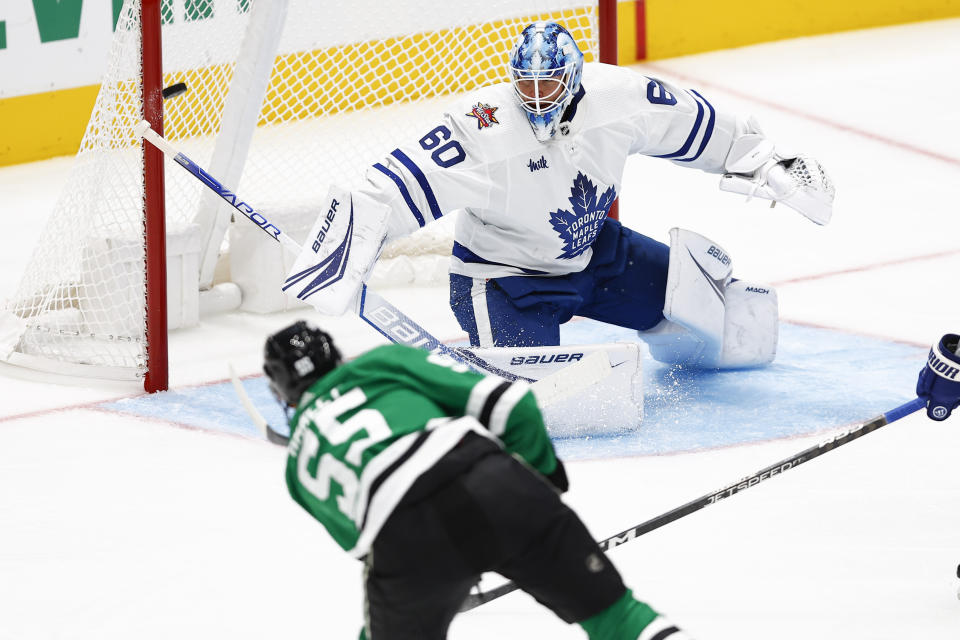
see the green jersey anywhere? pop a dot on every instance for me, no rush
(364, 433)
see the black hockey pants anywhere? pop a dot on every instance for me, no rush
(480, 510)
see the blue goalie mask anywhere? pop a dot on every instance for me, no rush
(545, 69)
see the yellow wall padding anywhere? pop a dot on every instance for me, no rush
(626, 32)
(43, 125)
(680, 27)
(337, 79)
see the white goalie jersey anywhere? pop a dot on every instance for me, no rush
(534, 208)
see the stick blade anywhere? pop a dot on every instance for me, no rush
(258, 420)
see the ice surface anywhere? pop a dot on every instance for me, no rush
(118, 521)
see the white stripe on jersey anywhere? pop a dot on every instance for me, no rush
(395, 486)
(380, 463)
(660, 628)
(506, 403)
(479, 394)
(705, 131)
(478, 296)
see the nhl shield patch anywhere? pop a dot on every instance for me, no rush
(484, 114)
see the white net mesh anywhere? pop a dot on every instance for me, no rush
(347, 84)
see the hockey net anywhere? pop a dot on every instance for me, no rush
(344, 83)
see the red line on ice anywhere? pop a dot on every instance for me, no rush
(867, 267)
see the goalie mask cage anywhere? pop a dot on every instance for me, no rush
(284, 98)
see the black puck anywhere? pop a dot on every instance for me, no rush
(174, 90)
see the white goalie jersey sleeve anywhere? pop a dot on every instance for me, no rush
(682, 126)
(532, 208)
(425, 179)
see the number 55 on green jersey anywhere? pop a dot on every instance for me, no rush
(363, 433)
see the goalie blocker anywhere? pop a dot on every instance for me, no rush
(339, 252)
(712, 320)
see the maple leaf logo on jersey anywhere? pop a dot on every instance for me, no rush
(484, 114)
(579, 229)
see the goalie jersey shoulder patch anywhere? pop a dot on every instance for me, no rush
(484, 114)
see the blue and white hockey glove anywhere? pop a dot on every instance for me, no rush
(939, 382)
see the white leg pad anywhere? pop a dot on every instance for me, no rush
(711, 320)
(750, 325)
(672, 343)
(612, 405)
(697, 275)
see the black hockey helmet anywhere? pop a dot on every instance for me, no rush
(296, 357)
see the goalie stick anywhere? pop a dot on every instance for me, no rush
(372, 308)
(547, 390)
(476, 599)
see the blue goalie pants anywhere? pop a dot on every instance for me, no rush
(624, 284)
(478, 509)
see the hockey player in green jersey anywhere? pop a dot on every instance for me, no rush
(432, 474)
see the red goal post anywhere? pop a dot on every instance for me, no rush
(284, 97)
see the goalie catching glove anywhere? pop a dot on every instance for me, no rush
(339, 253)
(754, 168)
(939, 382)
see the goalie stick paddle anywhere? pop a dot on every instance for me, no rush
(476, 599)
(373, 308)
(549, 389)
(396, 326)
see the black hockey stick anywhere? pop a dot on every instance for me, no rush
(476, 599)
(261, 423)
